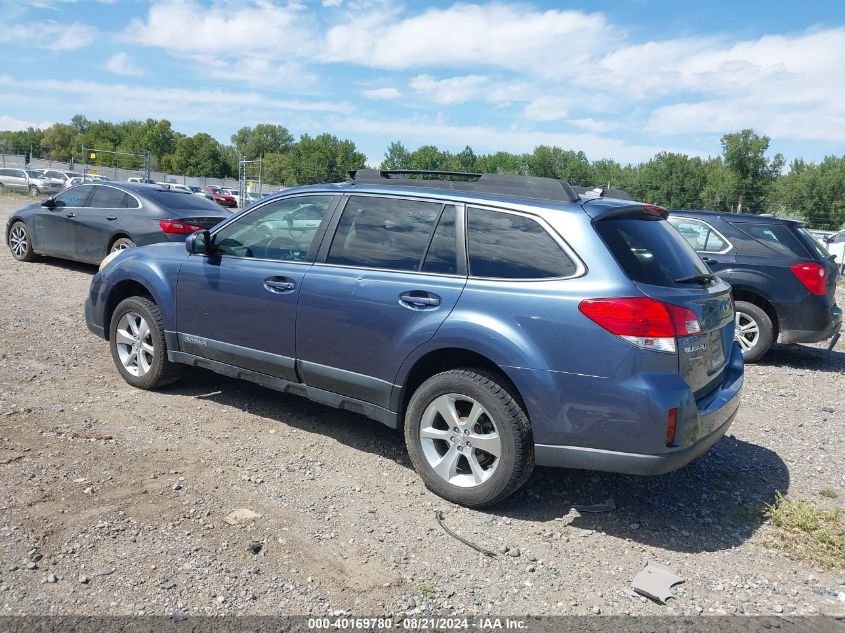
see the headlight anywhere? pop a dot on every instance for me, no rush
(108, 258)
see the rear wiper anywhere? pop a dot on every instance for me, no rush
(703, 278)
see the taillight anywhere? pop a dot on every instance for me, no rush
(642, 321)
(175, 226)
(812, 275)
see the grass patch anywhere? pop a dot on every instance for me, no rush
(427, 589)
(827, 492)
(807, 532)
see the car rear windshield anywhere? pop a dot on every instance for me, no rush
(650, 251)
(815, 246)
(778, 237)
(174, 199)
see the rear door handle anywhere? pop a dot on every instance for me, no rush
(709, 260)
(70, 215)
(279, 284)
(419, 299)
(111, 217)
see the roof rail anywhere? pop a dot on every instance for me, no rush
(532, 187)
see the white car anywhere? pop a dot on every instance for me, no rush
(61, 176)
(175, 186)
(835, 245)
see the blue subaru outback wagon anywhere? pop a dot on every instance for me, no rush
(500, 321)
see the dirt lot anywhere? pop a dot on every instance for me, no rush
(116, 496)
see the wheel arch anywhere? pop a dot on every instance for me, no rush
(116, 236)
(757, 298)
(426, 364)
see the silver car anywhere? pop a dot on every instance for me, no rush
(24, 180)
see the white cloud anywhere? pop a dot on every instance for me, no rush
(332, 3)
(382, 94)
(122, 101)
(451, 90)
(10, 124)
(257, 28)
(514, 36)
(53, 36)
(123, 64)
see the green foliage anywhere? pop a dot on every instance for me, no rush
(745, 156)
(396, 157)
(808, 532)
(263, 139)
(324, 158)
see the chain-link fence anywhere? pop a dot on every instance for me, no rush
(120, 173)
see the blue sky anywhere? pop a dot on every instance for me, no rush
(615, 79)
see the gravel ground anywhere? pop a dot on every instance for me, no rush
(112, 499)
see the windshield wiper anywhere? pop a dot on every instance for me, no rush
(703, 278)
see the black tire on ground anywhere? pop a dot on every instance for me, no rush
(121, 243)
(764, 329)
(33, 190)
(162, 372)
(498, 397)
(26, 254)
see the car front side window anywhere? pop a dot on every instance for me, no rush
(73, 197)
(282, 230)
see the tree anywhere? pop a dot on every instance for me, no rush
(324, 158)
(428, 157)
(754, 174)
(264, 138)
(396, 157)
(502, 163)
(672, 180)
(60, 142)
(465, 160)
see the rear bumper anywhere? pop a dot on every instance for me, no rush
(808, 321)
(700, 425)
(628, 463)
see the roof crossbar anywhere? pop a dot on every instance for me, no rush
(532, 187)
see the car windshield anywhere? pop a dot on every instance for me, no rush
(215, 190)
(73, 174)
(35, 173)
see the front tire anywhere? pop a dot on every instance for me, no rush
(754, 331)
(20, 242)
(33, 190)
(138, 347)
(468, 437)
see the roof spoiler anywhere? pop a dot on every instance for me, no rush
(635, 211)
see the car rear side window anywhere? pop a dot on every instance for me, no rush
(182, 200)
(508, 246)
(650, 251)
(388, 233)
(778, 237)
(108, 198)
(700, 235)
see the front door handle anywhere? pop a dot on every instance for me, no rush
(709, 260)
(111, 217)
(419, 299)
(70, 215)
(279, 284)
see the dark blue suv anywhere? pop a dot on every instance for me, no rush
(500, 321)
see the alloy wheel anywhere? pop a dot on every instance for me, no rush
(122, 244)
(18, 241)
(747, 331)
(460, 440)
(134, 344)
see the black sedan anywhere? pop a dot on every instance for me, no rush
(88, 221)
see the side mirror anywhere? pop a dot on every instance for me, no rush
(49, 203)
(198, 243)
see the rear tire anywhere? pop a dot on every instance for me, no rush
(20, 242)
(450, 450)
(33, 190)
(121, 243)
(754, 331)
(138, 347)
